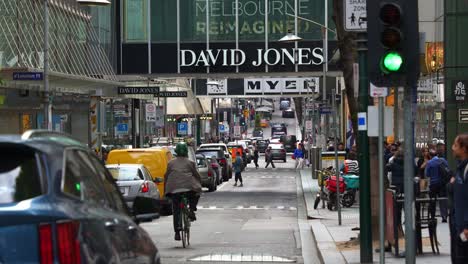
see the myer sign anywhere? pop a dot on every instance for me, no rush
(265, 86)
(237, 57)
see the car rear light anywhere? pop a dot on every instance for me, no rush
(210, 174)
(222, 161)
(283, 151)
(46, 247)
(68, 243)
(144, 187)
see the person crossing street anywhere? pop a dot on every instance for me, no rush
(238, 169)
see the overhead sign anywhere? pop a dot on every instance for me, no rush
(308, 125)
(172, 94)
(150, 110)
(139, 90)
(462, 115)
(378, 91)
(28, 76)
(459, 91)
(238, 57)
(182, 128)
(265, 86)
(355, 15)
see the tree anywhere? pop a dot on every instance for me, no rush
(257, 120)
(348, 53)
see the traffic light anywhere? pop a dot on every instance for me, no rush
(393, 42)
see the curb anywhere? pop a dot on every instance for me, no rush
(326, 247)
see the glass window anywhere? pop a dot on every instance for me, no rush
(126, 174)
(209, 153)
(80, 179)
(19, 176)
(135, 14)
(201, 162)
(109, 186)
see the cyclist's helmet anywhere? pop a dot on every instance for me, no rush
(181, 150)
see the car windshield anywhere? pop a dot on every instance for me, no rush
(208, 153)
(19, 177)
(126, 174)
(201, 162)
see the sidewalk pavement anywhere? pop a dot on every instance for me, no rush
(331, 238)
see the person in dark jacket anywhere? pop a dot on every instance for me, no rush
(459, 228)
(436, 186)
(396, 167)
(255, 157)
(269, 157)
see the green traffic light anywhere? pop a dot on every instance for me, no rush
(392, 61)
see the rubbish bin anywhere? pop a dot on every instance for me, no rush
(316, 160)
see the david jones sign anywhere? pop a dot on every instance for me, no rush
(237, 57)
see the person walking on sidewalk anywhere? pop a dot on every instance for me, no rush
(255, 156)
(238, 169)
(459, 225)
(269, 157)
(299, 156)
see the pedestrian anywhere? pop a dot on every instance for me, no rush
(255, 156)
(459, 227)
(396, 170)
(238, 169)
(437, 187)
(269, 157)
(299, 156)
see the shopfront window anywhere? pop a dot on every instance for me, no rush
(135, 19)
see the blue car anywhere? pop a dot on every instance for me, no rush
(59, 204)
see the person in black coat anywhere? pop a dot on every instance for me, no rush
(255, 156)
(397, 168)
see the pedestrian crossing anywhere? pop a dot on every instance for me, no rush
(247, 207)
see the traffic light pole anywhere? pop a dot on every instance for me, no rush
(363, 150)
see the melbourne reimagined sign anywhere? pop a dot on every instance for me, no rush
(201, 38)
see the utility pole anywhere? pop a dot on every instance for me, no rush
(363, 150)
(47, 98)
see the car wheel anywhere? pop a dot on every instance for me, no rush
(166, 209)
(284, 160)
(212, 186)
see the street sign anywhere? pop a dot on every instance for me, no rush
(122, 128)
(362, 121)
(325, 109)
(172, 94)
(462, 115)
(182, 128)
(378, 91)
(237, 132)
(459, 91)
(28, 76)
(138, 90)
(221, 128)
(308, 125)
(150, 112)
(355, 15)
(225, 116)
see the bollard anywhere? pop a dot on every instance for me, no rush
(316, 161)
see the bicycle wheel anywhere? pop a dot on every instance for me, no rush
(183, 234)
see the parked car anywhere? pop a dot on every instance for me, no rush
(227, 156)
(155, 160)
(289, 142)
(221, 161)
(278, 152)
(262, 145)
(207, 173)
(240, 145)
(284, 104)
(134, 180)
(59, 204)
(288, 113)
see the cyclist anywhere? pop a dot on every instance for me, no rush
(182, 174)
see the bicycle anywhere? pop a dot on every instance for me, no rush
(184, 216)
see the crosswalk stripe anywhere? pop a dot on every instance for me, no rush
(251, 207)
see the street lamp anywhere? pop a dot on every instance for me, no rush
(47, 101)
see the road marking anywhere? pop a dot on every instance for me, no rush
(240, 257)
(251, 207)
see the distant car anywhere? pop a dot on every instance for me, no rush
(288, 113)
(247, 158)
(224, 162)
(262, 145)
(207, 173)
(278, 152)
(264, 122)
(284, 104)
(59, 204)
(134, 180)
(279, 128)
(289, 142)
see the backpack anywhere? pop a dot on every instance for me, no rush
(445, 173)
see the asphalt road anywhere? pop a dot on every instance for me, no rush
(256, 222)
